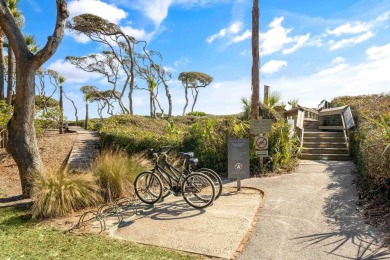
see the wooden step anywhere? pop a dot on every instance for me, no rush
(332, 139)
(316, 150)
(324, 144)
(321, 133)
(330, 157)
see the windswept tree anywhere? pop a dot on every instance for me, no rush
(106, 64)
(193, 81)
(121, 48)
(22, 142)
(149, 69)
(75, 108)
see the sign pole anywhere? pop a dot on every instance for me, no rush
(238, 184)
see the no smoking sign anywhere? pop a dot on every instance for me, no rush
(261, 142)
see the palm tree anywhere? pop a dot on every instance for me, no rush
(13, 6)
(246, 107)
(31, 43)
(255, 61)
(2, 65)
(152, 87)
(61, 80)
(88, 92)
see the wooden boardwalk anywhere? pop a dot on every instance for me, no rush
(85, 149)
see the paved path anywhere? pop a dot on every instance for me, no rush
(215, 231)
(312, 214)
(85, 149)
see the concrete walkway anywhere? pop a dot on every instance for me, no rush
(217, 231)
(85, 149)
(312, 214)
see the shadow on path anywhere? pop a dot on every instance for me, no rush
(342, 212)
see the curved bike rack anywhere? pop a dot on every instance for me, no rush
(116, 208)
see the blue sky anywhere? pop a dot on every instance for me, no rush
(310, 50)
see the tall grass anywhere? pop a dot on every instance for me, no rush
(116, 172)
(58, 194)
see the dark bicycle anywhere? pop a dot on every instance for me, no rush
(196, 188)
(189, 162)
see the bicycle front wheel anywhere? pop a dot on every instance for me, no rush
(216, 180)
(198, 190)
(148, 187)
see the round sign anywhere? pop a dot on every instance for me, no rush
(261, 142)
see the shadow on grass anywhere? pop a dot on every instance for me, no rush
(13, 217)
(342, 212)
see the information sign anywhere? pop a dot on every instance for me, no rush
(238, 158)
(262, 153)
(260, 126)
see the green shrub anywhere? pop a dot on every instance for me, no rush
(58, 194)
(5, 114)
(196, 113)
(116, 172)
(371, 138)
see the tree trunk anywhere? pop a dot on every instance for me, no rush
(22, 142)
(61, 112)
(169, 100)
(10, 75)
(255, 61)
(186, 95)
(131, 99)
(151, 103)
(2, 65)
(86, 115)
(195, 99)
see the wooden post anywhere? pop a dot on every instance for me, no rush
(266, 94)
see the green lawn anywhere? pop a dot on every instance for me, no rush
(22, 238)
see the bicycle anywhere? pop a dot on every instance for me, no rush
(189, 162)
(196, 188)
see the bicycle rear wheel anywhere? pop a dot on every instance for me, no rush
(148, 187)
(215, 178)
(198, 190)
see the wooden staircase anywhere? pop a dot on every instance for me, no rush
(323, 145)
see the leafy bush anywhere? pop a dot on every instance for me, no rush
(372, 116)
(206, 136)
(58, 194)
(196, 113)
(5, 114)
(116, 172)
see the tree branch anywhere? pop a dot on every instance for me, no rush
(54, 40)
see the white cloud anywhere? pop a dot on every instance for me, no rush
(155, 10)
(273, 66)
(107, 11)
(276, 38)
(300, 42)
(348, 28)
(139, 34)
(232, 30)
(338, 60)
(169, 69)
(183, 61)
(376, 53)
(239, 38)
(71, 73)
(350, 41)
(333, 70)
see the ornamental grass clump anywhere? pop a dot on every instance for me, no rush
(116, 172)
(58, 194)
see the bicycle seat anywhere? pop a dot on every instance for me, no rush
(186, 155)
(193, 161)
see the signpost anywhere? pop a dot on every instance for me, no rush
(238, 160)
(261, 142)
(260, 126)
